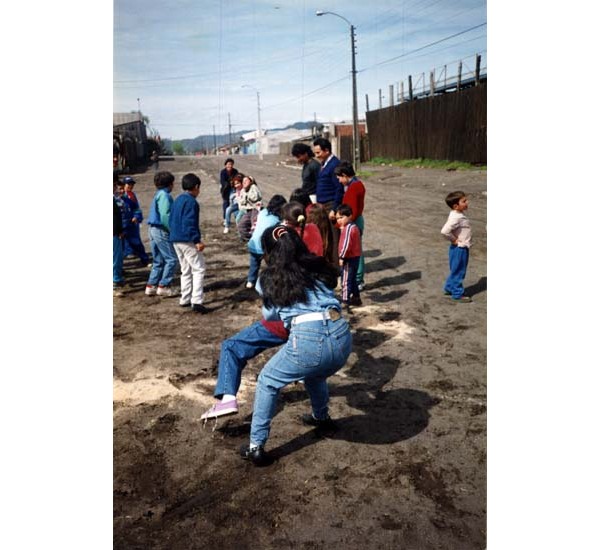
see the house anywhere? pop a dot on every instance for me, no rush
(130, 139)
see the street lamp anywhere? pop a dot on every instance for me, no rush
(355, 135)
(258, 140)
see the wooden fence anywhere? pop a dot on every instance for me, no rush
(451, 126)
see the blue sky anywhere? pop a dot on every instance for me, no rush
(191, 63)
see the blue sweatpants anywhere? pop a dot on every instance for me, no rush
(458, 259)
(132, 243)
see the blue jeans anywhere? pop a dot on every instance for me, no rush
(255, 260)
(231, 209)
(225, 206)
(314, 351)
(117, 259)
(164, 258)
(458, 259)
(237, 351)
(132, 243)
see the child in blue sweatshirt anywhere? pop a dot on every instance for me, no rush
(184, 224)
(164, 258)
(132, 217)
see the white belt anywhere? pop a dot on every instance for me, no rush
(328, 314)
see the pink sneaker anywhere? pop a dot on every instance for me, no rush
(221, 409)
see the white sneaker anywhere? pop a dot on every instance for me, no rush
(226, 230)
(249, 285)
(167, 291)
(224, 223)
(150, 290)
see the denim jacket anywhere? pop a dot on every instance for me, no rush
(319, 299)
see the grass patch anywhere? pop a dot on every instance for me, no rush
(426, 163)
(365, 174)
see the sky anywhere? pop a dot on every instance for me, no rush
(191, 65)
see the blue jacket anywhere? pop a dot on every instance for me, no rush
(328, 186)
(319, 299)
(160, 209)
(264, 221)
(184, 220)
(128, 210)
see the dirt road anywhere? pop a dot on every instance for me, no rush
(407, 469)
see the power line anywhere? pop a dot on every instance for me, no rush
(422, 47)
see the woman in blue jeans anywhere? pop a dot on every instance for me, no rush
(297, 288)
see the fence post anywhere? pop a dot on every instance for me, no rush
(432, 83)
(391, 95)
(459, 76)
(367, 101)
(477, 69)
(410, 90)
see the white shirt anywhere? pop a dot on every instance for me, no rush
(458, 227)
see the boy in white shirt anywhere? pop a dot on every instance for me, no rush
(458, 231)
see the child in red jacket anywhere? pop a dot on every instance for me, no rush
(349, 251)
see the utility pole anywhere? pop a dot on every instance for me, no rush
(215, 139)
(355, 133)
(229, 121)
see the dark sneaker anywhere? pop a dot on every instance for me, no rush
(463, 299)
(355, 301)
(199, 308)
(258, 455)
(323, 424)
(447, 294)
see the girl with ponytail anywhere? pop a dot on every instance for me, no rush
(293, 216)
(297, 288)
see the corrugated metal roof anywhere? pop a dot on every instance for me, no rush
(126, 118)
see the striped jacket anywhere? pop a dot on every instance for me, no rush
(349, 244)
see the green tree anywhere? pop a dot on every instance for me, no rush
(178, 148)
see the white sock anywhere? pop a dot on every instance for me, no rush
(227, 397)
(252, 446)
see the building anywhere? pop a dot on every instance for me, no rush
(130, 142)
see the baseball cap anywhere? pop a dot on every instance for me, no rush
(128, 179)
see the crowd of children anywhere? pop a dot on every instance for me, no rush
(306, 246)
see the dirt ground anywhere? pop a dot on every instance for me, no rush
(406, 469)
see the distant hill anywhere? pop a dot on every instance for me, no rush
(207, 141)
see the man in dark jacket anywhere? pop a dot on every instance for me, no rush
(329, 191)
(310, 168)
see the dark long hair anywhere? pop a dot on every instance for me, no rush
(293, 214)
(291, 269)
(319, 216)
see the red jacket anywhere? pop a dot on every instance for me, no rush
(312, 238)
(354, 197)
(349, 245)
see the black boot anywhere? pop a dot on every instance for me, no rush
(258, 455)
(321, 424)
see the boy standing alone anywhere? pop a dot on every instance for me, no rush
(164, 259)
(184, 222)
(458, 231)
